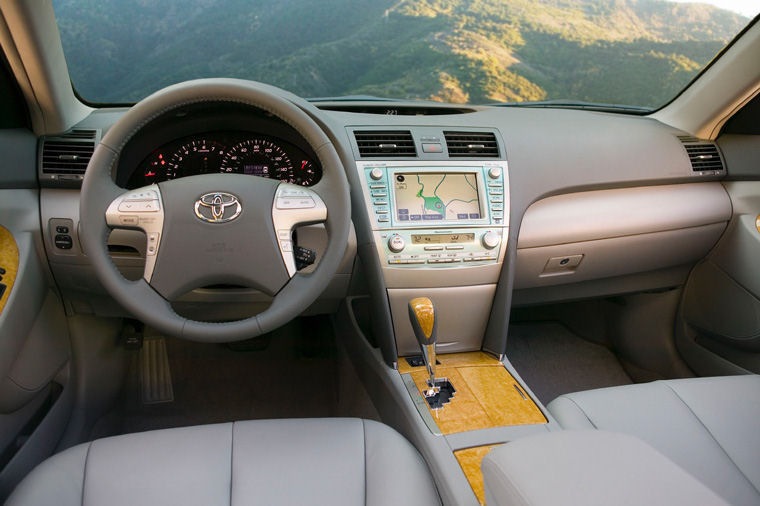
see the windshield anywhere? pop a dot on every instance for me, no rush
(626, 52)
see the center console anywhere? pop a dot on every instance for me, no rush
(440, 229)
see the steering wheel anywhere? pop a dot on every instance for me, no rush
(214, 228)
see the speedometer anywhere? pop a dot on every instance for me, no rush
(258, 157)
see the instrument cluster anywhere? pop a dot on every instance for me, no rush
(227, 152)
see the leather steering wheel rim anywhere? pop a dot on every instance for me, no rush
(139, 297)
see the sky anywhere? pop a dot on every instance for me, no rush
(749, 8)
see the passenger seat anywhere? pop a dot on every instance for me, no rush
(708, 426)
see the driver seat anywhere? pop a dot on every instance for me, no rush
(333, 461)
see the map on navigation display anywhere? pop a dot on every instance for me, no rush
(437, 196)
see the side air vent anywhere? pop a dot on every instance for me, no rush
(391, 143)
(64, 158)
(703, 155)
(472, 144)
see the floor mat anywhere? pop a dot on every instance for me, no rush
(294, 375)
(554, 361)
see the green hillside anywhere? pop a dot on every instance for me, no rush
(637, 52)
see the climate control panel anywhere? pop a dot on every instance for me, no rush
(455, 247)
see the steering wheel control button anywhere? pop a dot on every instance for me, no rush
(287, 246)
(152, 243)
(139, 206)
(376, 173)
(490, 239)
(283, 234)
(295, 202)
(494, 172)
(396, 243)
(128, 221)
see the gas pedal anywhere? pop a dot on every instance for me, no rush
(154, 373)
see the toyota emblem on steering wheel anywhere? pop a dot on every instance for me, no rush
(218, 207)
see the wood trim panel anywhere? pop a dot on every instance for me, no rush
(469, 460)
(486, 394)
(9, 262)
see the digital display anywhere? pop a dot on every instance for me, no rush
(432, 196)
(442, 238)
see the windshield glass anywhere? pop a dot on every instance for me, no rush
(627, 52)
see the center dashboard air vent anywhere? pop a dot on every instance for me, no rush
(386, 143)
(703, 155)
(472, 144)
(63, 158)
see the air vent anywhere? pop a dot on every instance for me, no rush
(64, 158)
(472, 144)
(703, 155)
(392, 143)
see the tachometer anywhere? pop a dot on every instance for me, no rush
(198, 156)
(306, 174)
(258, 157)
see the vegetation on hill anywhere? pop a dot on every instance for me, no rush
(636, 52)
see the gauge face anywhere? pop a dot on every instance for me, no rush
(258, 157)
(305, 174)
(199, 156)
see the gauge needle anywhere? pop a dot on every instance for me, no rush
(303, 164)
(150, 173)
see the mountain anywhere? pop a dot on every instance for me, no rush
(637, 52)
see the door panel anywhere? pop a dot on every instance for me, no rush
(721, 303)
(34, 340)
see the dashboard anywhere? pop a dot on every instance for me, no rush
(238, 152)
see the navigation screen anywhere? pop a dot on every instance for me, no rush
(431, 196)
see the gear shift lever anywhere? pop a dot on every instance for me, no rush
(422, 316)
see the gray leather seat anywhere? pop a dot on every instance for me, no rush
(310, 461)
(708, 426)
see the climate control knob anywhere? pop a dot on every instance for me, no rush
(396, 243)
(490, 239)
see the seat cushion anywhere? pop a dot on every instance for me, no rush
(708, 426)
(310, 461)
(588, 468)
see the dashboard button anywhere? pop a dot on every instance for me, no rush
(458, 247)
(376, 173)
(396, 243)
(377, 186)
(490, 239)
(494, 172)
(497, 198)
(383, 218)
(432, 147)
(433, 248)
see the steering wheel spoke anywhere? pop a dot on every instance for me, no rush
(294, 205)
(140, 209)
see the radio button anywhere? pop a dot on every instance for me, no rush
(490, 239)
(497, 207)
(497, 199)
(377, 186)
(455, 247)
(384, 218)
(434, 248)
(396, 243)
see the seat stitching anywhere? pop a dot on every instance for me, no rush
(232, 451)
(84, 473)
(582, 411)
(364, 441)
(699, 420)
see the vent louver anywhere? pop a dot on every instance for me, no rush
(390, 143)
(69, 153)
(703, 155)
(472, 144)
